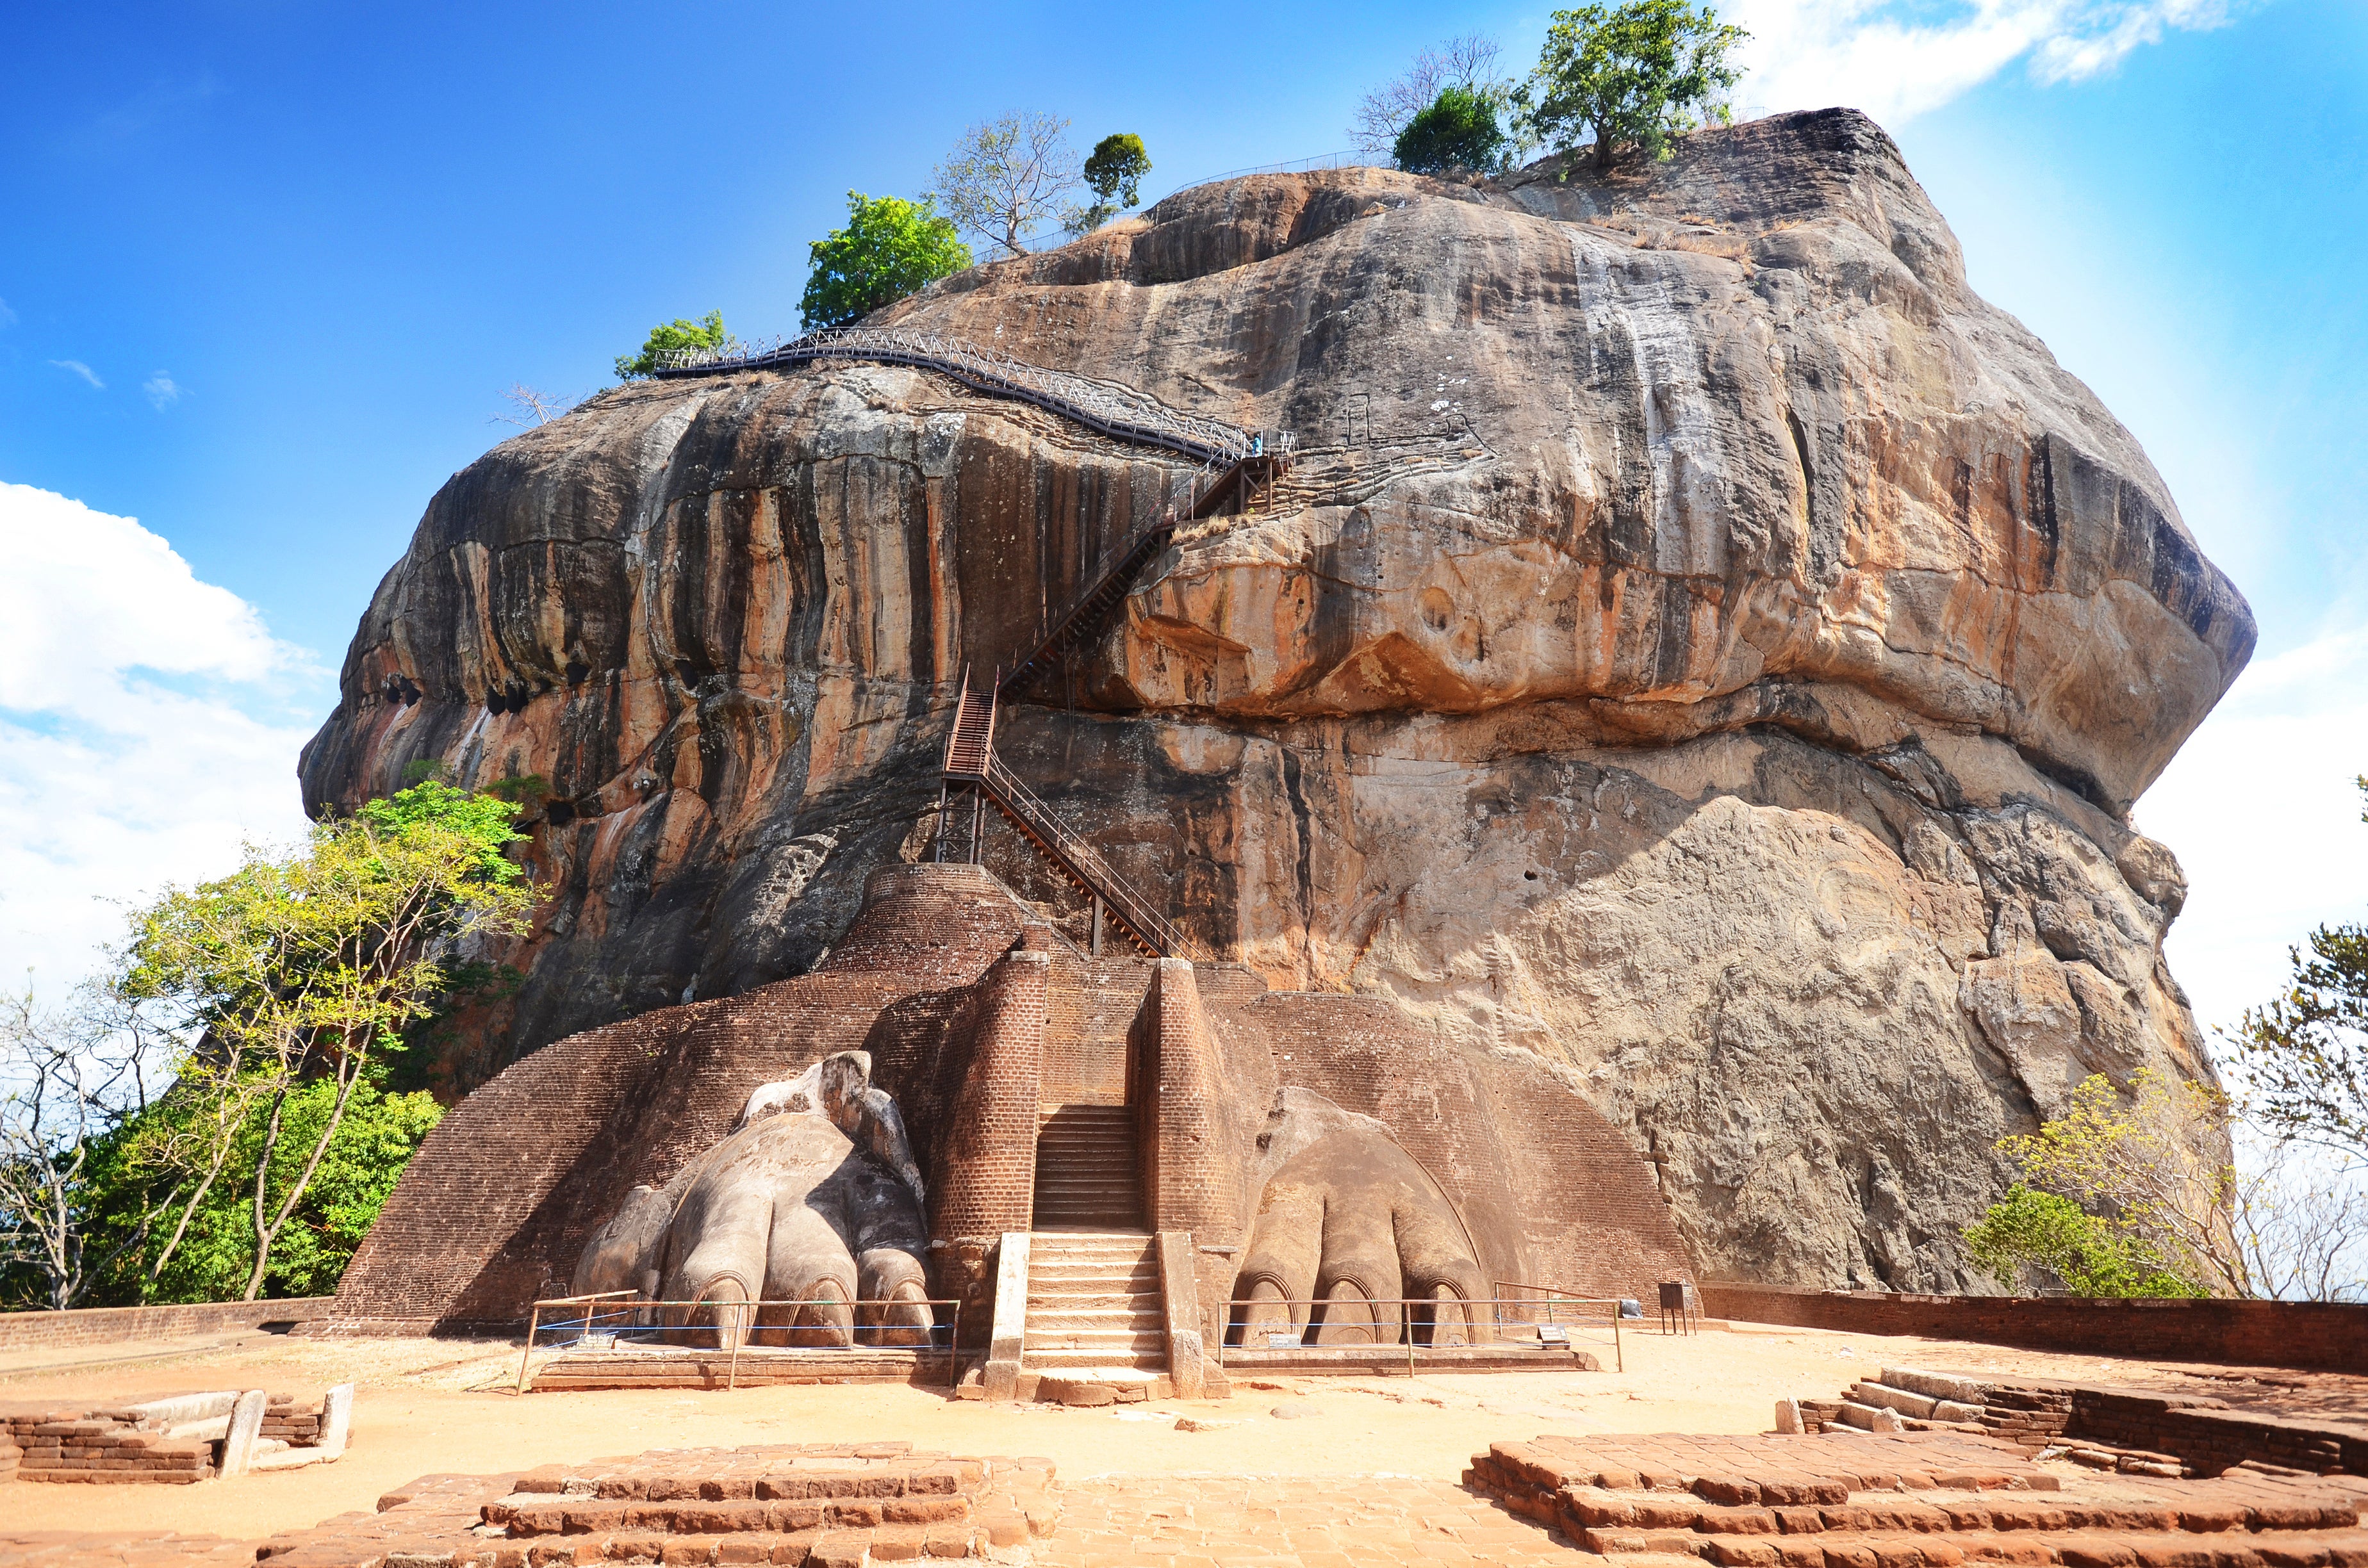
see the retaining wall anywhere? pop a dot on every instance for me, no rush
(104, 1326)
(2318, 1335)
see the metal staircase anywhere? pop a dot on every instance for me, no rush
(973, 771)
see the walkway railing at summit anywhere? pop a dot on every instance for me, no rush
(1111, 407)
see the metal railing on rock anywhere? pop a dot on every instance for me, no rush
(625, 1321)
(1113, 408)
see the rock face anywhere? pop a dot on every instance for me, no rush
(1701, 645)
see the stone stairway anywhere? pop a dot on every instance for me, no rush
(1085, 1169)
(1094, 1304)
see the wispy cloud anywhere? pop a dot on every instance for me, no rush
(145, 728)
(1896, 59)
(162, 391)
(8, 316)
(78, 367)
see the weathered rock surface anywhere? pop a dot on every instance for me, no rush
(1702, 643)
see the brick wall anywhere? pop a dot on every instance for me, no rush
(987, 1179)
(1188, 1188)
(2207, 1437)
(103, 1326)
(2333, 1337)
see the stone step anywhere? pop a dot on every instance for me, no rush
(1116, 1342)
(526, 1515)
(1050, 1319)
(1037, 1360)
(2075, 1548)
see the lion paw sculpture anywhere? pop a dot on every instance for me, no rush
(812, 1205)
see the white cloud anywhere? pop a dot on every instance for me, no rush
(8, 316)
(1897, 60)
(2260, 808)
(162, 394)
(147, 729)
(78, 367)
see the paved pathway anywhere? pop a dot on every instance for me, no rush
(1330, 1522)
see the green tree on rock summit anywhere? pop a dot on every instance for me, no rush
(1114, 173)
(1459, 130)
(890, 248)
(1635, 74)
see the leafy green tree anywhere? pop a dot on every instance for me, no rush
(1635, 74)
(890, 248)
(2091, 1255)
(376, 1135)
(1459, 130)
(299, 974)
(1114, 173)
(666, 337)
(2305, 1056)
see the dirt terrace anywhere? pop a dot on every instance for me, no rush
(1284, 1460)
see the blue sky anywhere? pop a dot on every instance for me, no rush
(267, 269)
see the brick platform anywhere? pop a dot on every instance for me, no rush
(580, 1370)
(824, 1506)
(2139, 1431)
(1913, 1500)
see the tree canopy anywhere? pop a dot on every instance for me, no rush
(1007, 177)
(666, 338)
(2304, 1055)
(1113, 172)
(1470, 62)
(2093, 1257)
(280, 993)
(1459, 130)
(890, 248)
(1635, 74)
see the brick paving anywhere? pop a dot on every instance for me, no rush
(77, 1549)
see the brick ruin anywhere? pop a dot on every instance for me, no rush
(984, 1023)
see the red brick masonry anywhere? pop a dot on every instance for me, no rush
(1921, 1500)
(110, 1325)
(2329, 1335)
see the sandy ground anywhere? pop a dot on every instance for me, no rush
(434, 1405)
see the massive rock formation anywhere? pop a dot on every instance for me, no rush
(1701, 645)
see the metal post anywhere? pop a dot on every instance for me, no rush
(731, 1380)
(977, 812)
(941, 823)
(533, 1321)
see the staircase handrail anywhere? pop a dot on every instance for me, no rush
(1004, 786)
(1182, 497)
(1111, 407)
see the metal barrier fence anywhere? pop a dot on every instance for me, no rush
(1549, 1319)
(611, 1317)
(1352, 159)
(1111, 407)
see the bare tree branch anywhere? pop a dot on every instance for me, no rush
(1008, 178)
(531, 405)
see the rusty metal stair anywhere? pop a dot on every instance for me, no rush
(971, 764)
